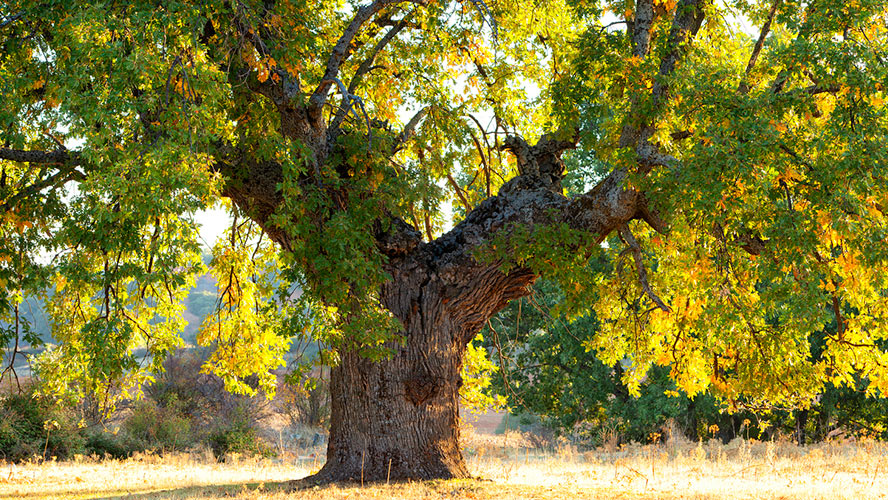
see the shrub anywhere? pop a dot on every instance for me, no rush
(159, 427)
(33, 426)
(184, 406)
(105, 444)
(200, 396)
(238, 435)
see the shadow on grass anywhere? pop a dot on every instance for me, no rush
(200, 491)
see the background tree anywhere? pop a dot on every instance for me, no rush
(547, 372)
(750, 171)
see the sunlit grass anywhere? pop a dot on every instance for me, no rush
(507, 470)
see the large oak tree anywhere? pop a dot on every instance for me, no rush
(736, 181)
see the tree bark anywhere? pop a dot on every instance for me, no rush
(398, 418)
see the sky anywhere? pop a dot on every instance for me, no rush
(213, 223)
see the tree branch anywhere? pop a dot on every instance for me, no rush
(484, 11)
(641, 32)
(11, 19)
(367, 63)
(629, 239)
(688, 19)
(67, 173)
(345, 106)
(60, 156)
(288, 87)
(364, 68)
(407, 133)
(340, 51)
(766, 28)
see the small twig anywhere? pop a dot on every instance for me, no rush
(482, 9)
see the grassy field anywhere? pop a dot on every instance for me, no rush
(505, 469)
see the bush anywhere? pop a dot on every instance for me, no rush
(184, 407)
(105, 444)
(238, 436)
(202, 397)
(164, 428)
(33, 426)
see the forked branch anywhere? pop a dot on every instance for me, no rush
(340, 51)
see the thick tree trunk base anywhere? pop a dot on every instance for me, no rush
(395, 419)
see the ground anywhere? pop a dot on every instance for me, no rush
(506, 468)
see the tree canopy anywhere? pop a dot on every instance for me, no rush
(733, 177)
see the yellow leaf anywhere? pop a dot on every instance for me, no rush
(848, 262)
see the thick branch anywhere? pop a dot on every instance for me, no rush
(474, 288)
(66, 160)
(688, 20)
(60, 156)
(527, 202)
(641, 33)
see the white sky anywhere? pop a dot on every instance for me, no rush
(212, 223)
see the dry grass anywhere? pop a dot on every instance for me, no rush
(510, 471)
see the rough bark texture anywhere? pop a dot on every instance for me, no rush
(398, 418)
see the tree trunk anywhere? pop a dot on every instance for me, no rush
(398, 418)
(801, 424)
(393, 420)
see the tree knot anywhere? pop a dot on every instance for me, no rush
(541, 162)
(421, 387)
